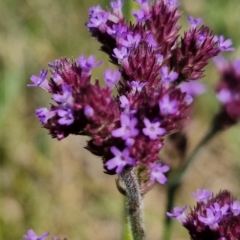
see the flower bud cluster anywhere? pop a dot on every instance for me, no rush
(228, 91)
(128, 129)
(214, 217)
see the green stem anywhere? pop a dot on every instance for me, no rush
(133, 204)
(175, 181)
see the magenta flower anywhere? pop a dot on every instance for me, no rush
(120, 160)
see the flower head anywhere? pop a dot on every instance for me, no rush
(126, 120)
(216, 218)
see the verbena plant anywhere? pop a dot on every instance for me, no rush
(145, 100)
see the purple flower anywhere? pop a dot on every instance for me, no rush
(44, 114)
(173, 3)
(168, 106)
(57, 78)
(40, 81)
(117, 5)
(211, 219)
(224, 96)
(93, 11)
(65, 97)
(88, 64)
(127, 128)
(120, 160)
(194, 22)
(98, 20)
(159, 58)
(140, 15)
(178, 213)
(151, 41)
(235, 207)
(156, 173)
(130, 40)
(193, 88)
(111, 77)
(166, 76)
(223, 210)
(137, 86)
(202, 195)
(120, 54)
(66, 116)
(88, 111)
(31, 235)
(152, 130)
(224, 45)
(124, 102)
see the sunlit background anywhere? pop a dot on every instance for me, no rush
(58, 186)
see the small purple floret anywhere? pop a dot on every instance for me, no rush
(224, 45)
(111, 77)
(44, 114)
(31, 235)
(178, 213)
(152, 129)
(194, 22)
(211, 219)
(166, 76)
(88, 111)
(120, 160)
(88, 64)
(120, 54)
(168, 106)
(66, 116)
(40, 81)
(202, 195)
(128, 127)
(157, 173)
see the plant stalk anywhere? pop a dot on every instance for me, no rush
(133, 203)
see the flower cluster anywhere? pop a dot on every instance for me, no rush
(228, 91)
(31, 235)
(215, 218)
(128, 129)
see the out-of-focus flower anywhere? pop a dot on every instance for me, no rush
(31, 235)
(218, 217)
(228, 92)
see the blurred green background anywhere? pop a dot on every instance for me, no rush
(58, 186)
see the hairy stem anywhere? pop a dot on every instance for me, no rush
(133, 203)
